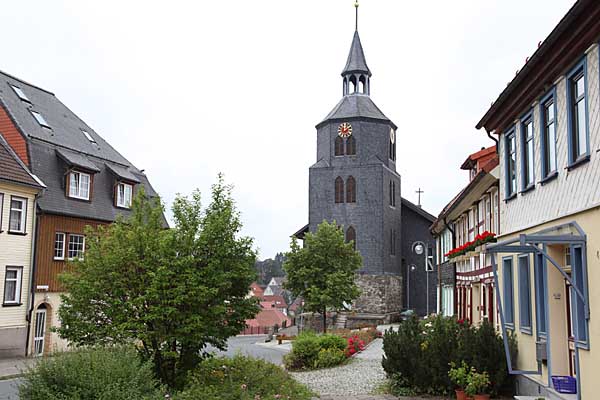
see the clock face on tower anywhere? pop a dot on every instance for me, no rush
(345, 129)
(392, 135)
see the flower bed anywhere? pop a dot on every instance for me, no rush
(482, 238)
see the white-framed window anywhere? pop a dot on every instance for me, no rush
(18, 214)
(12, 285)
(124, 195)
(76, 246)
(79, 185)
(59, 246)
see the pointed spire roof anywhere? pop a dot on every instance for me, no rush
(356, 58)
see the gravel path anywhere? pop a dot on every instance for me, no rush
(360, 376)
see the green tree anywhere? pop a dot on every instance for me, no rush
(323, 271)
(170, 291)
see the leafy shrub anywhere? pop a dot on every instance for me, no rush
(478, 383)
(307, 347)
(328, 358)
(420, 354)
(459, 375)
(332, 342)
(90, 374)
(241, 378)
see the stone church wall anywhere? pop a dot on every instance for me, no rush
(380, 294)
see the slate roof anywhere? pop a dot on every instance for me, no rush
(356, 58)
(355, 105)
(418, 210)
(53, 151)
(13, 170)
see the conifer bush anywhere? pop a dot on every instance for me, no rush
(419, 355)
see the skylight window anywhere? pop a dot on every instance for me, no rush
(88, 136)
(40, 119)
(20, 93)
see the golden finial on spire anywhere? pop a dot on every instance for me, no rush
(356, 4)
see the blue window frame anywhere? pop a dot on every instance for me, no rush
(577, 111)
(548, 134)
(510, 162)
(524, 295)
(507, 286)
(579, 276)
(527, 157)
(541, 295)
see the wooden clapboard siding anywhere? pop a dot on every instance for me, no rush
(572, 191)
(48, 269)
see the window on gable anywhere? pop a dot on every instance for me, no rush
(18, 215)
(339, 190)
(20, 93)
(339, 146)
(88, 136)
(507, 284)
(124, 195)
(76, 246)
(510, 163)
(79, 185)
(524, 295)
(351, 236)
(12, 285)
(527, 153)
(350, 190)
(59, 246)
(577, 113)
(40, 119)
(350, 146)
(548, 144)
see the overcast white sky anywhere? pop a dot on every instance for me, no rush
(185, 89)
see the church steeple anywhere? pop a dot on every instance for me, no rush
(356, 74)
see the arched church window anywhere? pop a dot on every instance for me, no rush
(394, 193)
(339, 190)
(351, 236)
(350, 190)
(391, 194)
(350, 146)
(339, 146)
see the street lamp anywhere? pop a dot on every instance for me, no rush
(409, 268)
(421, 248)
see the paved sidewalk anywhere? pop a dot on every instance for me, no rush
(11, 367)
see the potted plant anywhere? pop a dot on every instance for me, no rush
(460, 377)
(478, 385)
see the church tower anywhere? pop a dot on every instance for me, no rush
(355, 183)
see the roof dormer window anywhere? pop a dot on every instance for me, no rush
(79, 185)
(124, 194)
(20, 93)
(88, 136)
(40, 119)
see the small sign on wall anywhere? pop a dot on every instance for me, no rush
(557, 296)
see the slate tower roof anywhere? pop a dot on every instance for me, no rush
(356, 101)
(356, 62)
